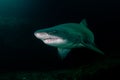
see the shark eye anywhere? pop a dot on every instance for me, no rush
(53, 32)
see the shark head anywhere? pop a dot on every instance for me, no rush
(57, 37)
(51, 37)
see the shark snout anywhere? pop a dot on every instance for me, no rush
(41, 35)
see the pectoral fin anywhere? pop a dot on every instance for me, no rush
(94, 48)
(63, 52)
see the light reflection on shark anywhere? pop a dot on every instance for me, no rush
(67, 36)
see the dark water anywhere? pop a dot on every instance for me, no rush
(20, 50)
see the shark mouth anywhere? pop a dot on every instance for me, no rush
(50, 39)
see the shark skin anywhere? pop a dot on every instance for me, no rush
(67, 36)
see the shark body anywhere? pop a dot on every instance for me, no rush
(67, 36)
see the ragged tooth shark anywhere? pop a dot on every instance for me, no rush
(67, 36)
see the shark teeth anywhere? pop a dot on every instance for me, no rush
(49, 38)
(54, 41)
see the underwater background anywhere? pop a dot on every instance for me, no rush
(24, 57)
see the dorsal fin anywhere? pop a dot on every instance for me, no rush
(83, 23)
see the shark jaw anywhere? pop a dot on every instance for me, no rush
(50, 39)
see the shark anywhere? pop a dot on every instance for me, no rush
(68, 36)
